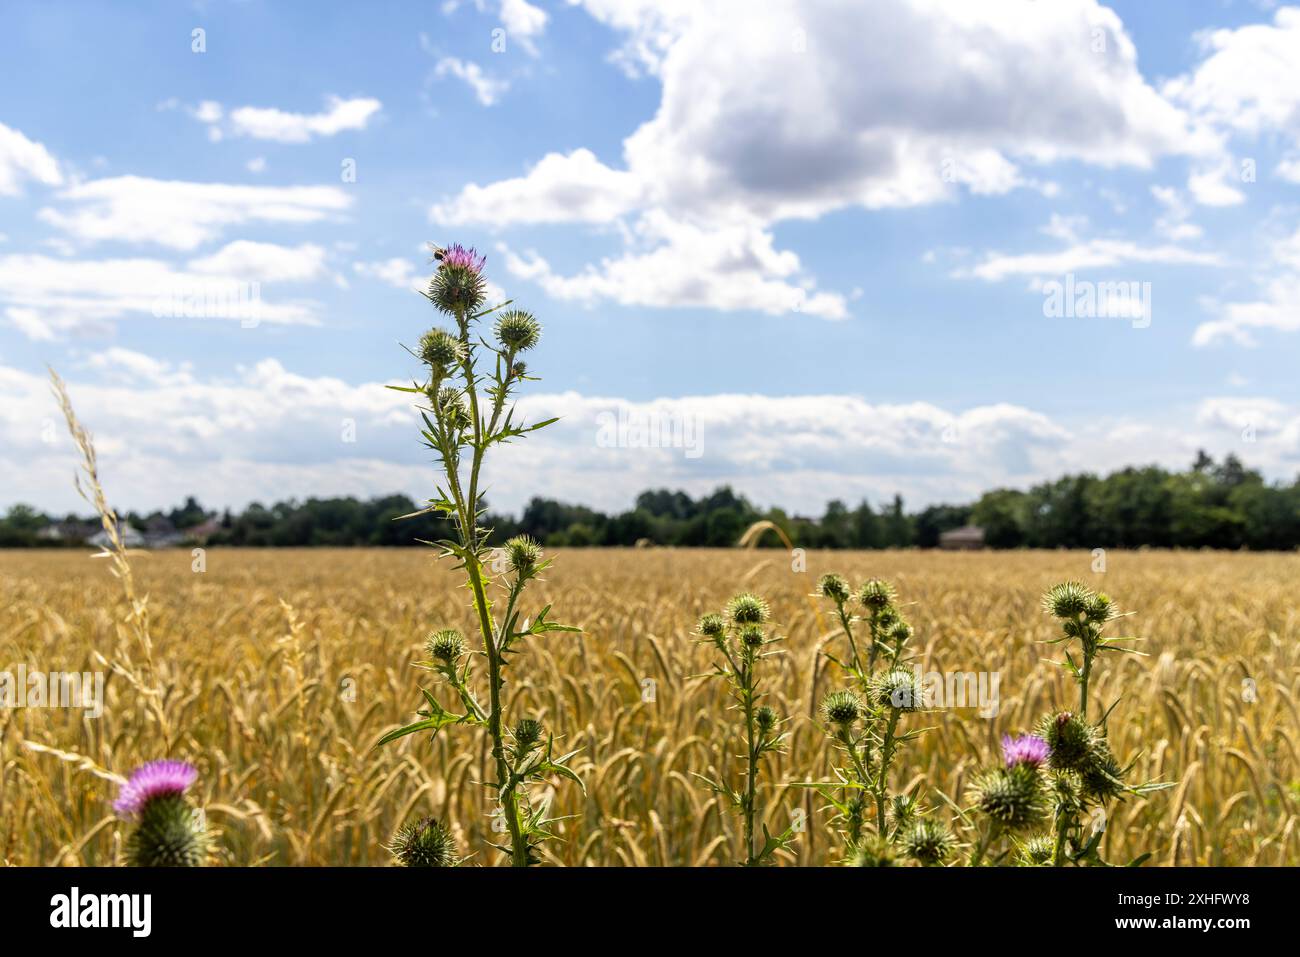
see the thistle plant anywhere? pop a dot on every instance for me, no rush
(865, 722)
(466, 411)
(167, 831)
(741, 638)
(1064, 774)
(424, 843)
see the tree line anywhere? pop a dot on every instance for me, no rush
(1210, 505)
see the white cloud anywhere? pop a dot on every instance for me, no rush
(677, 264)
(128, 366)
(1261, 415)
(397, 271)
(256, 165)
(1093, 254)
(791, 116)
(164, 432)
(47, 299)
(1064, 228)
(281, 126)
(180, 214)
(1212, 186)
(209, 111)
(820, 106)
(1173, 224)
(523, 22)
(1250, 78)
(261, 430)
(1276, 310)
(560, 188)
(487, 89)
(1248, 83)
(264, 262)
(23, 159)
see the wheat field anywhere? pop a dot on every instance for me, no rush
(275, 672)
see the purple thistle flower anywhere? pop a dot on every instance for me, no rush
(153, 780)
(458, 255)
(1027, 749)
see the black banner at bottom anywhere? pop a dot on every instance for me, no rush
(337, 906)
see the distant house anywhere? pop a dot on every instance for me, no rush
(130, 538)
(203, 531)
(160, 532)
(71, 532)
(966, 538)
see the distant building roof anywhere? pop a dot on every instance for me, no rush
(130, 538)
(68, 531)
(966, 535)
(209, 526)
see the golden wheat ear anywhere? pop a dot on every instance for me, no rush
(144, 677)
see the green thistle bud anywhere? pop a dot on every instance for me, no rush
(1012, 797)
(169, 834)
(842, 708)
(872, 852)
(887, 619)
(1101, 775)
(1070, 738)
(833, 587)
(712, 626)
(900, 633)
(1037, 851)
(450, 406)
(901, 811)
(440, 349)
(523, 553)
(1101, 609)
(1068, 599)
(446, 646)
(765, 718)
(747, 609)
(856, 813)
(527, 733)
(1071, 628)
(897, 688)
(876, 593)
(425, 843)
(456, 289)
(752, 637)
(517, 331)
(1065, 792)
(929, 842)
(519, 369)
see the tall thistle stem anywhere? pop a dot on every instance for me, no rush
(740, 638)
(458, 418)
(886, 757)
(1086, 671)
(751, 771)
(468, 509)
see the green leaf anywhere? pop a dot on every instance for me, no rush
(428, 724)
(435, 719)
(562, 770)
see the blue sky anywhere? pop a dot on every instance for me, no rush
(821, 238)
